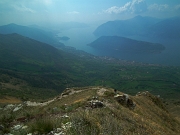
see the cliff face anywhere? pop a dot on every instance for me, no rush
(91, 110)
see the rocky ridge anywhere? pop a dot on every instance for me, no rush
(90, 110)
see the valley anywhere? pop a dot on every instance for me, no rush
(39, 75)
(23, 73)
(103, 67)
(45, 90)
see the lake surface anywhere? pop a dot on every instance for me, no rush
(81, 37)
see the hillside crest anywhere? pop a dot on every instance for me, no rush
(91, 110)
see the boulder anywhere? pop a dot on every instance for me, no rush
(95, 103)
(125, 100)
(17, 108)
(1, 127)
(10, 106)
(24, 127)
(131, 104)
(17, 127)
(120, 99)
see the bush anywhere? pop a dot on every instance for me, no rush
(109, 93)
(44, 125)
(5, 120)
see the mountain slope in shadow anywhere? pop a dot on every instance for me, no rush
(130, 27)
(32, 32)
(125, 45)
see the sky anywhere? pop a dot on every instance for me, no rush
(88, 11)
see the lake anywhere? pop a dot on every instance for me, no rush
(81, 37)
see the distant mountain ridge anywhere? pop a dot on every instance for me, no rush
(141, 26)
(129, 27)
(169, 28)
(125, 45)
(31, 32)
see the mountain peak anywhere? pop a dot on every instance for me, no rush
(131, 27)
(13, 25)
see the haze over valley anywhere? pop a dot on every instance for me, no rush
(142, 20)
(81, 67)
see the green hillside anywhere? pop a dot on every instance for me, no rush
(17, 51)
(31, 69)
(34, 65)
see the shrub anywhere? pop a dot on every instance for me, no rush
(109, 93)
(5, 120)
(44, 125)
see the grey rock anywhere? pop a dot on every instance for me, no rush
(17, 108)
(125, 100)
(7, 107)
(17, 127)
(1, 127)
(96, 104)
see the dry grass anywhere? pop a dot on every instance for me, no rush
(9, 100)
(149, 116)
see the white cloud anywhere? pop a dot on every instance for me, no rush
(135, 6)
(138, 6)
(117, 10)
(23, 8)
(157, 7)
(73, 12)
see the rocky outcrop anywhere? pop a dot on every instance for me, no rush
(95, 103)
(125, 100)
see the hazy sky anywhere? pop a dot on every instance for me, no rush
(50, 11)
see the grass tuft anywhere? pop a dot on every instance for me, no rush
(42, 126)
